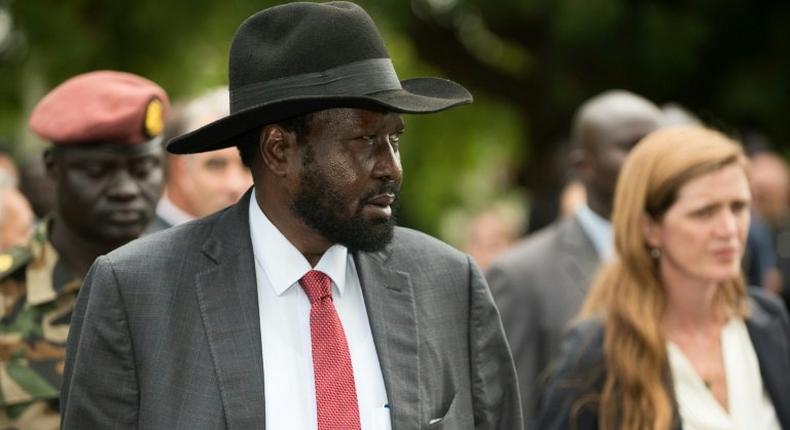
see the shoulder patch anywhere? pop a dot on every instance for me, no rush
(13, 259)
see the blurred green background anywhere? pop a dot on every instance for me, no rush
(529, 63)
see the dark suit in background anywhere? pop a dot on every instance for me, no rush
(539, 286)
(581, 368)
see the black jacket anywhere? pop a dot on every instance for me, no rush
(581, 370)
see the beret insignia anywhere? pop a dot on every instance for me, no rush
(154, 118)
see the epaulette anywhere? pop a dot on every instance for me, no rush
(13, 259)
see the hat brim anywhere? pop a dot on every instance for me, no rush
(417, 96)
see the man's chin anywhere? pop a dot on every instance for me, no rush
(121, 234)
(375, 238)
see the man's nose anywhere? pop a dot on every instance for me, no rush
(123, 186)
(388, 165)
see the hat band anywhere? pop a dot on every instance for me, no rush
(355, 79)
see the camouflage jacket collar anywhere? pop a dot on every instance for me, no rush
(45, 273)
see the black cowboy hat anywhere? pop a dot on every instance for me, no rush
(302, 57)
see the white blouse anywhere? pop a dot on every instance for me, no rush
(750, 406)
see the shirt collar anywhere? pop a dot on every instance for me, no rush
(172, 214)
(282, 263)
(598, 229)
(46, 276)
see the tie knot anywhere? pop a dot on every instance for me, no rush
(317, 285)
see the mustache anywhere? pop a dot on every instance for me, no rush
(385, 188)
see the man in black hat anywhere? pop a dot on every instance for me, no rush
(305, 284)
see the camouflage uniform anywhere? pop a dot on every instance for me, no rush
(37, 296)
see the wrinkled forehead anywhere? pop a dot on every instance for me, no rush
(347, 117)
(730, 178)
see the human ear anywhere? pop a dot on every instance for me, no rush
(51, 163)
(579, 161)
(651, 230)
(277, 147)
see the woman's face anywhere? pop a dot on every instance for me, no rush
(703, 234)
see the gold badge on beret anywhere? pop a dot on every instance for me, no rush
(154, 118)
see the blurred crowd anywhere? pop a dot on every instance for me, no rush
(625, 279)
(194, 185)
(604, 244)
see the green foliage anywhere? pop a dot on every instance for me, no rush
(460, 158)
(183, 46)
(530, 63)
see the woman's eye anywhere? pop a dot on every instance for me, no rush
(705, 212)
(738, 207)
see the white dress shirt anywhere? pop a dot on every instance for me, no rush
(172, 214)
(598, 229)
(285, 330)
(749, 403)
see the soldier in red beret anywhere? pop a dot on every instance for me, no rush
(106, 161)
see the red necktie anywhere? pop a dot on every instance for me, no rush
(335, 392)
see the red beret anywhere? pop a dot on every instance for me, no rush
(101, 106)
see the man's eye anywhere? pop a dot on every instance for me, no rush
(143, 167)
(215, 164)
(92, 169)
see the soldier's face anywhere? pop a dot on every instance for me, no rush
(107, 192)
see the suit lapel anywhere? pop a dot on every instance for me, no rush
(773, 353)
(578, 256)
(228, 299)
(389, 299)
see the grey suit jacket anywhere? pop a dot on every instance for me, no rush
(158, 224)
(539, 286)
(581, 370)
(166, 335)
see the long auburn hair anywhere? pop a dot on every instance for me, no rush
(627, 294)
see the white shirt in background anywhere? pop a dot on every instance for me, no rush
(749, 404)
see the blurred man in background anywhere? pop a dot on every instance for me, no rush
(539, 285)
(490, 232)
(9, 172)
(16, 218)
(770, 193)
(106, 163)
(36, 185)
(200, 184)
